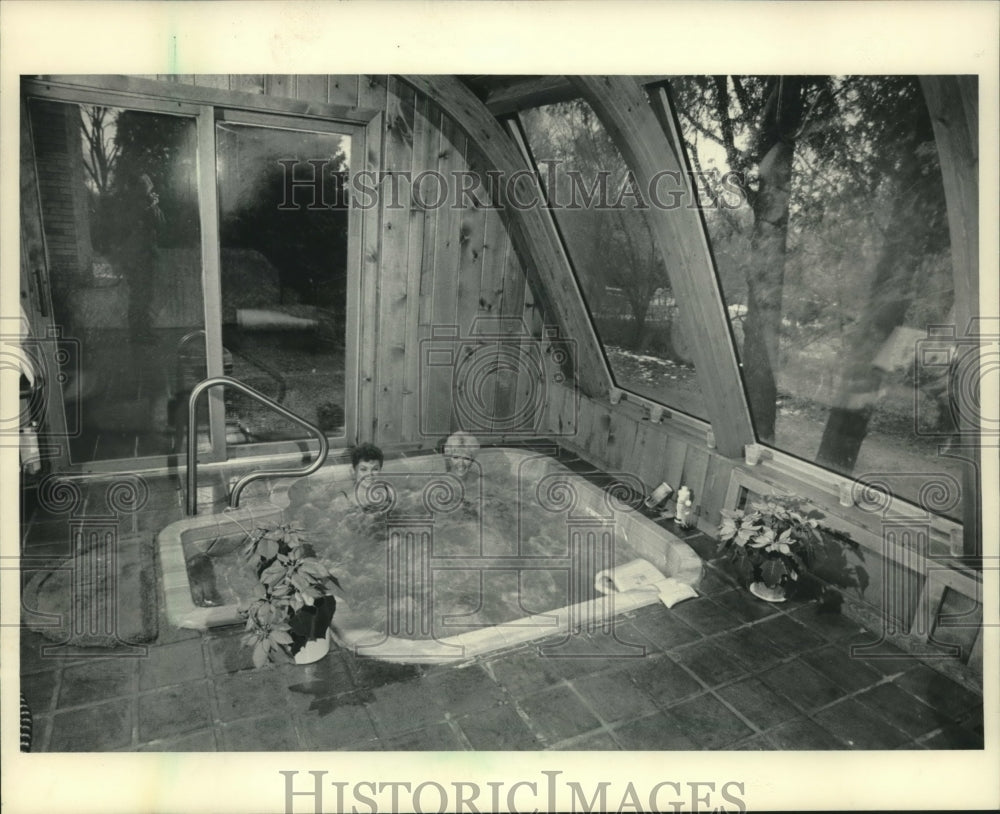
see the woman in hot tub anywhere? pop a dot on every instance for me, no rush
(460, 452)
(367, 502)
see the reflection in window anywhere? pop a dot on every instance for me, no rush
(283, 234)
(119, 204)
(612, 249)
(834, 258)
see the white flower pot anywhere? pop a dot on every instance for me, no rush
(313, 650)
(768, 594)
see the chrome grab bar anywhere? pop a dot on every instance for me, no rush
(191, 502)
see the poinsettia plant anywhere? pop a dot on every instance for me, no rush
(773, 541)
(292, 601)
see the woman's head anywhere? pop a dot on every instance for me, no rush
(459, 452)
(366, 460)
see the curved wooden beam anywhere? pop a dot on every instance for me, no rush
(530, 228)
(953, 105)
(625, 110)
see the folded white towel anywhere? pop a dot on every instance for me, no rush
(642, 575)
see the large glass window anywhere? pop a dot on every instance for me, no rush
(832, 246)
(622, 275)
(283, 235)
(123, 203)
(120, 215)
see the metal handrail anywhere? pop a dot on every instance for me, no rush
(191, 497)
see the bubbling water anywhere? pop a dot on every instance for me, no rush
(448, 556)
(422, 574)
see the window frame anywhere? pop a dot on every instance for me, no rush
(207, 106)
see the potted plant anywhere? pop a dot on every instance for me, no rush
(289, 614)
(780, 538)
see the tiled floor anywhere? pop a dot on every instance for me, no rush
(724, 671)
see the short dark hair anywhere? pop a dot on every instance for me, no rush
(366, 452)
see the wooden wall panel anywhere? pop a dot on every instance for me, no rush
(488, 305)
(220, 81)
(424, 138)
(439, 398)
(535, 376)
(279, 85)
(373, 91)
(247, 83)
(510, 309)
(394, 346)
(343, 90)
(312, 87)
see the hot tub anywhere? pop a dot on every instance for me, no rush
(454, 568)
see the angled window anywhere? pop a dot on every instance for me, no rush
(598, 209)
(826, 212)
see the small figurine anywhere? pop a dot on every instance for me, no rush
(683, 511)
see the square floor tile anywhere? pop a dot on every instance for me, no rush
(614, 697)
(790, 637)
(953, 736)
(711, 664)
(901, 709)
(523, 672)
(437, 738)
(598, 741)
(327, 704)
(39, 691)
(370, 673)
(665, 630)
(750, 647)
(250, 694)
(96, 728)
(173, 710)
(227, 654)
(803, 734)
(705, 616)
(708, 722)
(498, 729)
(758, 703)
(661, 731)
(880, 654)
(398, 707)
(558, 714)
(745, 605)
(463, 690)
(275, 733)
(41, 726)
(313, 685)
(202, 741)
(32, 658)
(832, 626)
(801, 684)
(755, 743)
(665, 681)
(171, 664)
(859, 727)
(97, 680)
(346, 727)
(571, 665)
(835, 662)
(951, 700)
